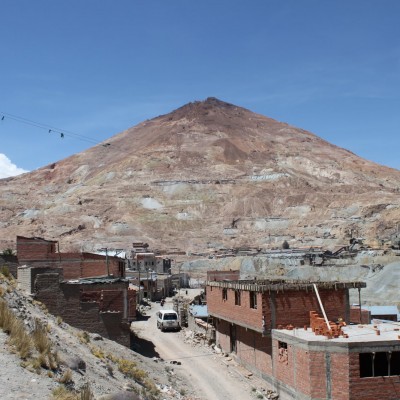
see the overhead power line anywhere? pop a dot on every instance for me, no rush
(50, 128)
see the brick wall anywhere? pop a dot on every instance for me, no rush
(276, 308)
(340, 381)
(26, 276)
(301, 371)
(79, 306)
(132, 296)
(254, 350)
(33, 249)
(293, 307)
(284, 364)
(333, 372)
(355, 316)
(318, 383)
(222, 335)
(223, 275)
(96, 265)
(241, 315)
(371, 388)
(42, 253)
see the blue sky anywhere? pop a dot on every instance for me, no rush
(95, 68)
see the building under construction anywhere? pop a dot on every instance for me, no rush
(297, 336)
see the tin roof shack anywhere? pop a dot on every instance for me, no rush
(361, 364)
(366, 314)
(387, 313)
(102, 305)
(38, 252)
(246, 312)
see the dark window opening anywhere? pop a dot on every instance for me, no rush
(282, 345)
(379, 364)
(253, 299)
(395, 363)
(365, 365)
(237, 297)
(224, 294)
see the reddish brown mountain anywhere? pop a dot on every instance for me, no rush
(208, 175)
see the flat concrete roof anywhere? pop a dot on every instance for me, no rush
(356, 333)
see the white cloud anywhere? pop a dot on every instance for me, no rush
(7, 168)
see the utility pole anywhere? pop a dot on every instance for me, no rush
(106, 249)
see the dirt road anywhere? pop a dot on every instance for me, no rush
(211, 378)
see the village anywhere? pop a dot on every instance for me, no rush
(305, 338)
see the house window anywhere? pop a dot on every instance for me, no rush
(253, 299)
(379, 364)
(224, 294)
(237, 297)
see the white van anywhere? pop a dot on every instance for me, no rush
(167, 319)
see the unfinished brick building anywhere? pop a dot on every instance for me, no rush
(88, 291)
(260, 323)
(38, 252)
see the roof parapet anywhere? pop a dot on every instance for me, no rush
(282, 285)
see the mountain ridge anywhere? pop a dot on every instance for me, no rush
(180, 179)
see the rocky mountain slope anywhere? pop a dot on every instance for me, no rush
(207, 175)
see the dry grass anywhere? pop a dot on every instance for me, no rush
(86, 393)
(130, 370)
(24, 344)
(84, 337)
(63, 393)
(5, 272)
(66, 377)
(14, 327)
(97, 352)
(40, 338)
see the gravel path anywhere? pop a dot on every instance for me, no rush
(211, 375)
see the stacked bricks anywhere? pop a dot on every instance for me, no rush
(319, 326)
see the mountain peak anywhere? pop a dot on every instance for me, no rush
(179, 180)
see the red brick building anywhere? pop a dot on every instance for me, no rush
(38, 252)
(362, 365)
(87, 290)
(260, 323)
(99, 305)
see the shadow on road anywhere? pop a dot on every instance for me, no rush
(144, 347)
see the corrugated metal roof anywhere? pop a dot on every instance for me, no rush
(199, 311)
(381, 310)
(97, 279)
